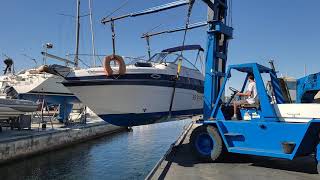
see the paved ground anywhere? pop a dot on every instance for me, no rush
(180, 164)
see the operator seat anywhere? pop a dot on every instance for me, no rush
(256, 105)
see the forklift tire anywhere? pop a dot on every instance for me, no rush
(206, 143)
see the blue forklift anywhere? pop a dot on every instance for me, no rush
(265, 133)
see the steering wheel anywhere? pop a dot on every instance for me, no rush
(235, 91)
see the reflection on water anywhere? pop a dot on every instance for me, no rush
(126, 155)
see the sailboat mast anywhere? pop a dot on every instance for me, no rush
(92, 35)
(76, 57)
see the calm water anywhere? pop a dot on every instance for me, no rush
(126, 155)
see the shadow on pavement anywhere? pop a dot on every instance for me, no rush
(183, 156)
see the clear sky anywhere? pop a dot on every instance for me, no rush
(285, 30)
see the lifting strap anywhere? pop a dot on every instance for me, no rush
(191, 2)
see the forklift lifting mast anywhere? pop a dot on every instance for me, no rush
(264, 134)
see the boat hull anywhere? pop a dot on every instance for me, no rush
(35, 87)
(15, 108)
(133, 103)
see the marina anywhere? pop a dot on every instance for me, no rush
(15, 145)
(136, 151)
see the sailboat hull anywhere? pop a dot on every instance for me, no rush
(36, 86)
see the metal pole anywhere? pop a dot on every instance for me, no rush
(45, 57)
(148, 44)
(92, 35)
(271, 62)
(113, 37)
(76, 57)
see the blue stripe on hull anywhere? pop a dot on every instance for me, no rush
(159, 83)
(128, 120)
(162, 80)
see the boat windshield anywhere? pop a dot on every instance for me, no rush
(165, 57)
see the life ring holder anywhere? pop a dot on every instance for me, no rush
(119, 60)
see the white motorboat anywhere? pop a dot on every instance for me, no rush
(10, 108)
(143, 94)
(35, 85)
(32, 81)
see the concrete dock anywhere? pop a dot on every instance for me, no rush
(179, 163)
(19, 144)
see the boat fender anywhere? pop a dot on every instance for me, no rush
(119, 60)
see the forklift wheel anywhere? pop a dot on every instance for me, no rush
(207, 143)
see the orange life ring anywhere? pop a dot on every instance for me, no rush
(119, 60)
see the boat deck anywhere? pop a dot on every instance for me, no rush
(179, 163)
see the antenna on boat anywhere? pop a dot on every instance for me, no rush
(148, 35)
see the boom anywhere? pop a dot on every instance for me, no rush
(149, 10)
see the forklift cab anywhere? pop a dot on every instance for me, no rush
(263, 107)
(265, 130)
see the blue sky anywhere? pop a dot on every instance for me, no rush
(285, 30)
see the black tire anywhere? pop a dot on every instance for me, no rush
(318, 168)
(211, 151)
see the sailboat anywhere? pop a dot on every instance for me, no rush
(37, 83)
